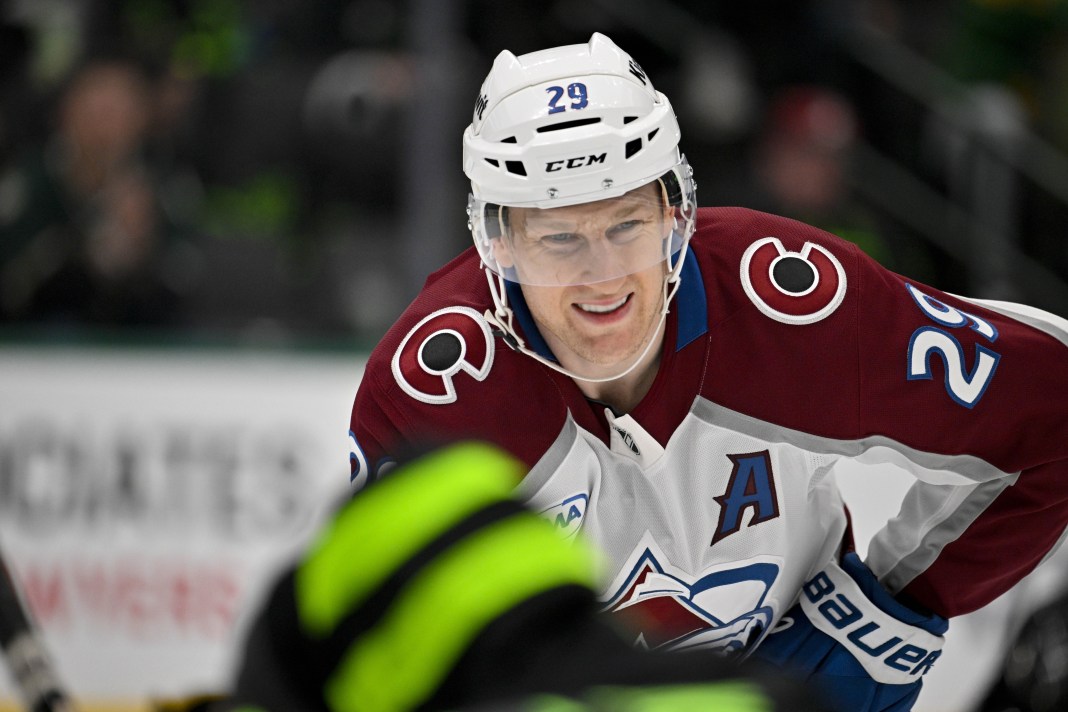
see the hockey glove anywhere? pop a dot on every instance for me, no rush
(848, 637)
(434, 589)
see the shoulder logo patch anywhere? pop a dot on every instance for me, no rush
(792, 287)
(444, 343)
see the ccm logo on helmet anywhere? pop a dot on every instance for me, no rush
(792, 287)
(576, 162)
(480, 105)
(444, 343)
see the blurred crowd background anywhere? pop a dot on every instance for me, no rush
(286, 172)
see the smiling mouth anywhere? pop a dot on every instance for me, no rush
(604, 308)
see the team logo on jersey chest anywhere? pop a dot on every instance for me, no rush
(727, 607)
(792, 287)
(444, 343)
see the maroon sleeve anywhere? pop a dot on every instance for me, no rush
(374, 429)
(1007, 541)
(986, 392)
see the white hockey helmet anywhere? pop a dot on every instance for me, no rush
(559, 151)
(566, 126)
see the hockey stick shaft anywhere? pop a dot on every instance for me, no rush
(23, 646)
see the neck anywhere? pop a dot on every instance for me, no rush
(622, 394)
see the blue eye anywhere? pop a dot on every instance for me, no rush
(562, 238)
(624, 229)
(561, 243)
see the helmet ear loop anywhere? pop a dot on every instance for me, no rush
(672, 276)
(502, 316)
(500, 220)
(494, 227)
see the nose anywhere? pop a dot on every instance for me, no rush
(605, 285)
(604, 262)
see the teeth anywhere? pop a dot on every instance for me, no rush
(602, 308)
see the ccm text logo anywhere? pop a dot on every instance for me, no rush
(576, 162)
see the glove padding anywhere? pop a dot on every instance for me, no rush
(861, 648)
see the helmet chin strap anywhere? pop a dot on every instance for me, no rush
(504, 319)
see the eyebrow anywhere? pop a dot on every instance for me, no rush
(565, 223)
(543, 223)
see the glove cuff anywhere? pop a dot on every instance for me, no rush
(890, 650)
(874, 592)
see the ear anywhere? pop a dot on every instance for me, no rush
(502, 252)
(671, 220)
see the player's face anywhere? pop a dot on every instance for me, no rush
(603, 323)
(586, 243)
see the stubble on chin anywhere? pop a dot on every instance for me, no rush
(616, 347)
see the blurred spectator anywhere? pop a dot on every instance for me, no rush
(1021, 45)
(288, 136)
(1011, 57)
(83, 238)
(801, 165)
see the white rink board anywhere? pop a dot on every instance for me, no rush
(148, 497)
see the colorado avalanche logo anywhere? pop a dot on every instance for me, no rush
(792, 287)
(724, 609)
(444, 343)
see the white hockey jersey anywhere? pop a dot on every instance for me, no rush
(787, 352)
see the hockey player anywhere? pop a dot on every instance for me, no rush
(682, 382)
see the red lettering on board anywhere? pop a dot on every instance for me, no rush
(149, 598)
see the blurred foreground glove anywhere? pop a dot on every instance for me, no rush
(434, 589)
(850, 639)
(401, 581)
